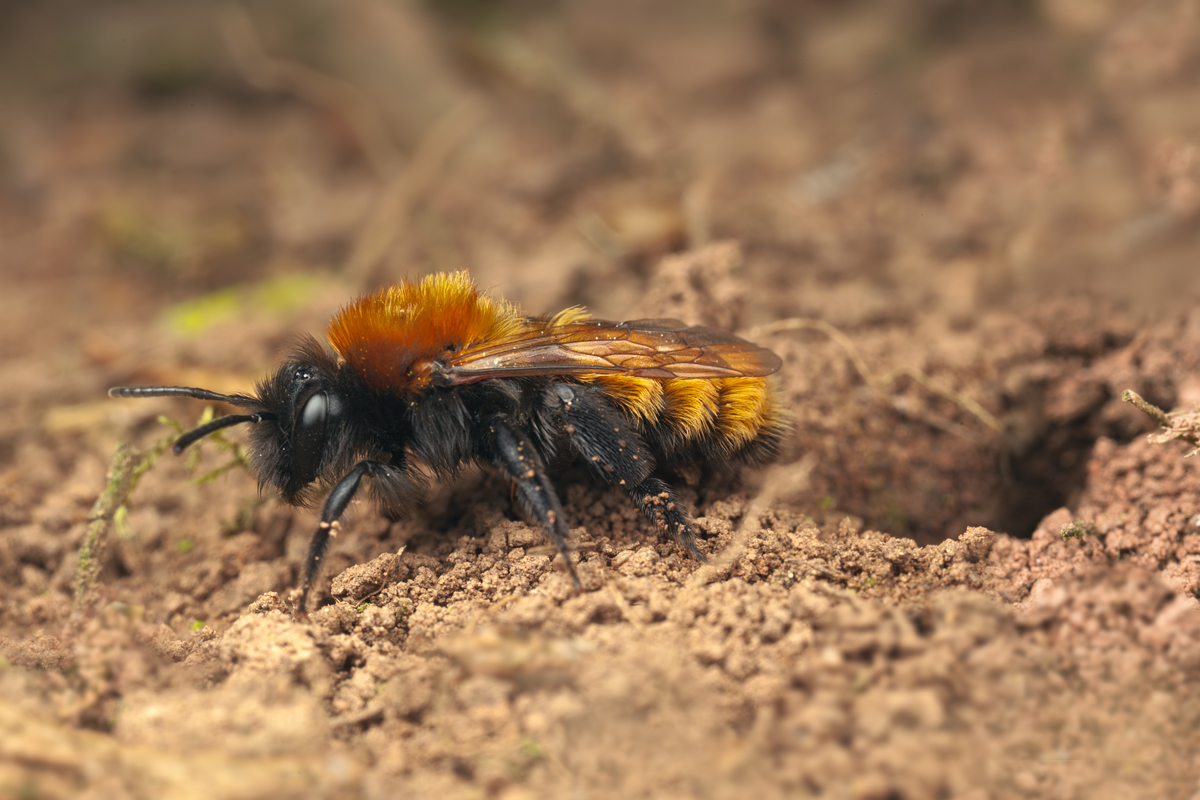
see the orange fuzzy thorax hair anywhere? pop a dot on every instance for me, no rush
(382, 335)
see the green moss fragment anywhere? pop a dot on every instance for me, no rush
(1079, 529)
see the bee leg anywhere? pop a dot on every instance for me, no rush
(513, 452)
(618, 455)
(658, 502)
(335, 506)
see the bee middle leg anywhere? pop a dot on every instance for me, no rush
(617, 454)
(514, 453)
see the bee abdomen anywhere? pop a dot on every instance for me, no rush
(720, 417)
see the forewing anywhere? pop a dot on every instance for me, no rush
(646, 348)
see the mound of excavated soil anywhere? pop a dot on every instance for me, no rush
(970, 575)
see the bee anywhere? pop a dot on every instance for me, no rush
(429, 376)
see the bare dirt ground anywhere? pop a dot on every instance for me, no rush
(971, 575)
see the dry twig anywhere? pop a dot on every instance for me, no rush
(624, 607)
(338, 97)
(534, 68)
(405, 182)
(781, 481)
(881, 382)
(1183, 425)
(389, 219)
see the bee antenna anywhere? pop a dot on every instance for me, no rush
(177, 391)
(191, 437)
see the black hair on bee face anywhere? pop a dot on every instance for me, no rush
(311, 431)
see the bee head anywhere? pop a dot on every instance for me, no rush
(299, 420)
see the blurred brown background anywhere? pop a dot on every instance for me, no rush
(909, 153)
(1002, 197)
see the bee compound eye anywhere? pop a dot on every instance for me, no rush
(314, 412)
(308, 438)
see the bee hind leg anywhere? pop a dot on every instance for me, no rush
(514, 453)
(657, 500)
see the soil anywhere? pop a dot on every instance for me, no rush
(966, 232)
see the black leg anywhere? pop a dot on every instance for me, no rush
(513, 452)
(335, 506)
(657, 501)
(618, 455)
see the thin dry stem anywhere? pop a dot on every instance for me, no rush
(1146, 407)
(391, 567)
(697, 211)
(880, 382)
(624, 607)
(780, 482)
(1183, 425)
(554, 73)
(336, 96)
(389, 219)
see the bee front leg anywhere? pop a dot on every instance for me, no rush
(514, 453)
(331, 512)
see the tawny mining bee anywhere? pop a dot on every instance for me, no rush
(439, 374)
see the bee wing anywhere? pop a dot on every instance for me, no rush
(646, 348)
